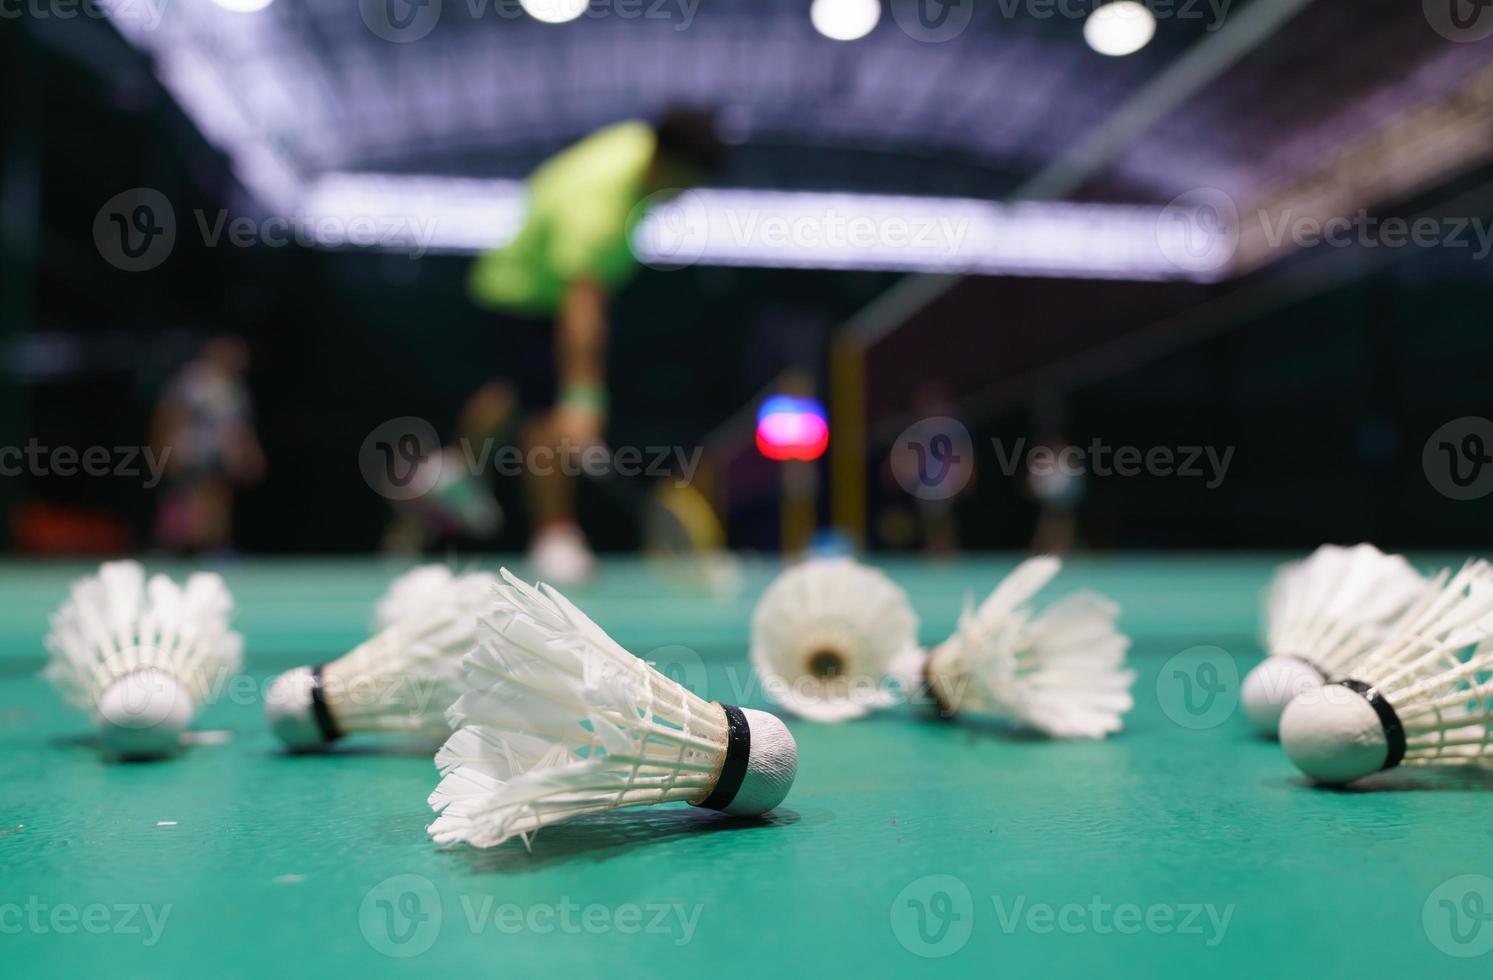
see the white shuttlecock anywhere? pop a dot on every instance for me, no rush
(402, 679)
(827, 634)
(1060, 672)
(558, 720)
(1416, 699)
(141, 656)
(415, 590)
(1321, 615)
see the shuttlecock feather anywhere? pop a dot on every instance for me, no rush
(141, 656)
(402, 679)
(558, 720)
(826, 636)
(1321, 614)
(414, 591)
(1423, 696)
(1060, 671)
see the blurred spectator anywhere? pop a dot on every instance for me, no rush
(1057, 485)
(459, 506)
(940, 525)
(204, 422)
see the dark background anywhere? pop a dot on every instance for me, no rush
(1328, 391)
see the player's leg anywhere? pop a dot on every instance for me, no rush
(557, 548)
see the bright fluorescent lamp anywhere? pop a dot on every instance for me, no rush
(845, 20)
(554, 11)
(1120, 28)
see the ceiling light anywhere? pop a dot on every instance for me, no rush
(1120, 28)
(554, 11)
(845, 20)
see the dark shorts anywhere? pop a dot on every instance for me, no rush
(527, 359)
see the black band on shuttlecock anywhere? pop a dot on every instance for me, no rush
(738, 752)
(1394, 729)
(322, 711)
(941, 708)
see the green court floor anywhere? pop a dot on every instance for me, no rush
(1182, 848)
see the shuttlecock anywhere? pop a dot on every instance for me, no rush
(414, 591)
(141, 656)
(1060, 672)
(1322, 614)
(401, 680)
(558, 720)
(826, 636)
(1417, 699)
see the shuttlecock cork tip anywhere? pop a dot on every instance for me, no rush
(761, 762)
(1270, 687)
(1339, 733)
(297, 711)
(771, 767)
(142, 714)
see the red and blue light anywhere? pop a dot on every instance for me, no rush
(789, 427)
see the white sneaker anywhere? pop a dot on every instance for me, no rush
(560, 555)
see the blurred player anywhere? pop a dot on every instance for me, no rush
(1058, 488)
(553, 283)
(204, 423)
(458, 505)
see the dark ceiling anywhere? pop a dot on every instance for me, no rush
(478, 88)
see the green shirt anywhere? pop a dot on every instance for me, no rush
(582, 206)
